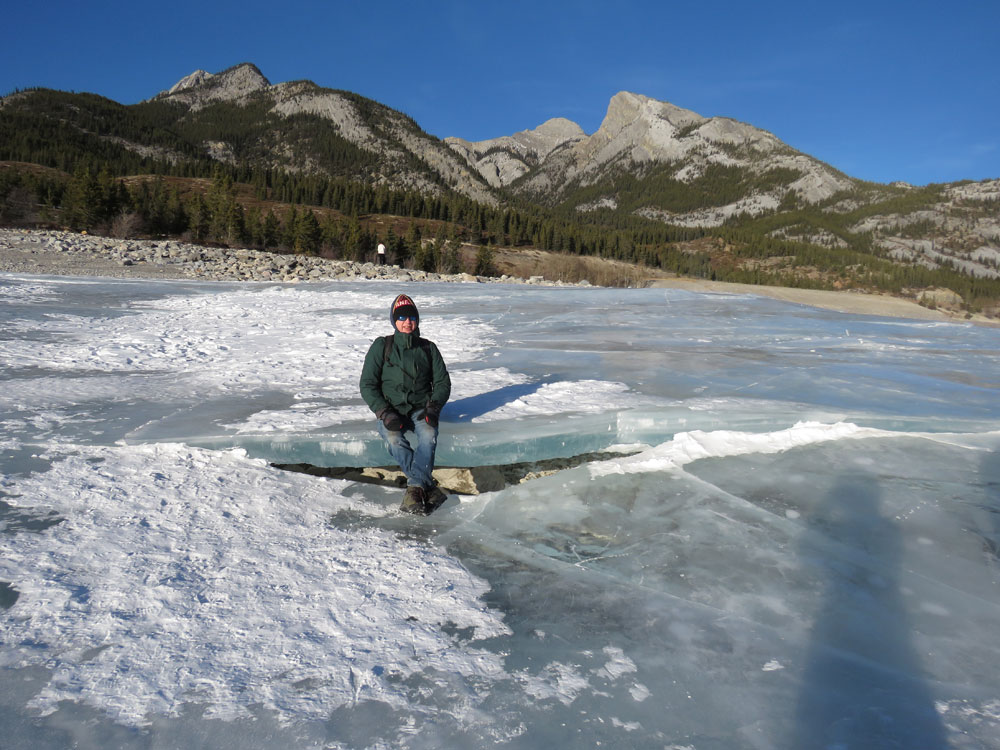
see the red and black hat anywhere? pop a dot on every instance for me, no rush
(402, 305)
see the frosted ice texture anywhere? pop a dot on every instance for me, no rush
(802, 553)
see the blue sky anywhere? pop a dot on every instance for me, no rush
(906, 90)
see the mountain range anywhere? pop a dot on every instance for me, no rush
(648, 160)
(545, 164)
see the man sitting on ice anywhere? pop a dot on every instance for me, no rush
(405, 382)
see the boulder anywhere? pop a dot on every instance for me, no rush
(940, 298)
(470, 481)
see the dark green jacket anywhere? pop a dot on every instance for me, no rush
(414, 375)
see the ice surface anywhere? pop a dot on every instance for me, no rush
(804, 553)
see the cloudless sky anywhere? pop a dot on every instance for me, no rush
(904, 90)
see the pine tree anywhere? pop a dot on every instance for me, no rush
(107, 196)
(352, 239)
(426, 257)
(176, 217)
(451, 260)
(235, 226)
(331, 235)
(366, 248)
(255, 227)
(410, 245)
(308, 234)
(270, 231)
(390, 238)
(226, 220)
(289, 228)
(484, 262)
(83, 199)
(199, 217)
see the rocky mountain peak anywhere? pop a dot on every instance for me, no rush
(242, 78)
(390, 140)
(628, 110)
(646, 129)
(502, 160)
(638, 133)
(189, 82)
(534, 144)
(233, 84)
(636, 129)
(560, 129)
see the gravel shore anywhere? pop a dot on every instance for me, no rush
(60, 253)
(41, 252)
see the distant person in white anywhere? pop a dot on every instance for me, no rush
(380, 255)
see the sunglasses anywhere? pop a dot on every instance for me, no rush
(407, 317)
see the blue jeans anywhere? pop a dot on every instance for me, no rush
(417, 464)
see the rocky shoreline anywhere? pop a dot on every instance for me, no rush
(69, 253)
(61, 253)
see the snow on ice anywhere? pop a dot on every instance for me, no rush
(801, 550)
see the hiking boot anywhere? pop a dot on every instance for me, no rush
(435, 499)
(414, 500)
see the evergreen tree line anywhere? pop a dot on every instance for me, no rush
(94, 199)
(98, 202)
(86, 202)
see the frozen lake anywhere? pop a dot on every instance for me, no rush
(797, 546)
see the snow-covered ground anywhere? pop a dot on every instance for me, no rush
(804, 551)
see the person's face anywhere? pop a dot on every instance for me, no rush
(406, 324)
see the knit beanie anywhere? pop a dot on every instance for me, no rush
(402, 305)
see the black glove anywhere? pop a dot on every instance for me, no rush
(432, 413)
(390, 418)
